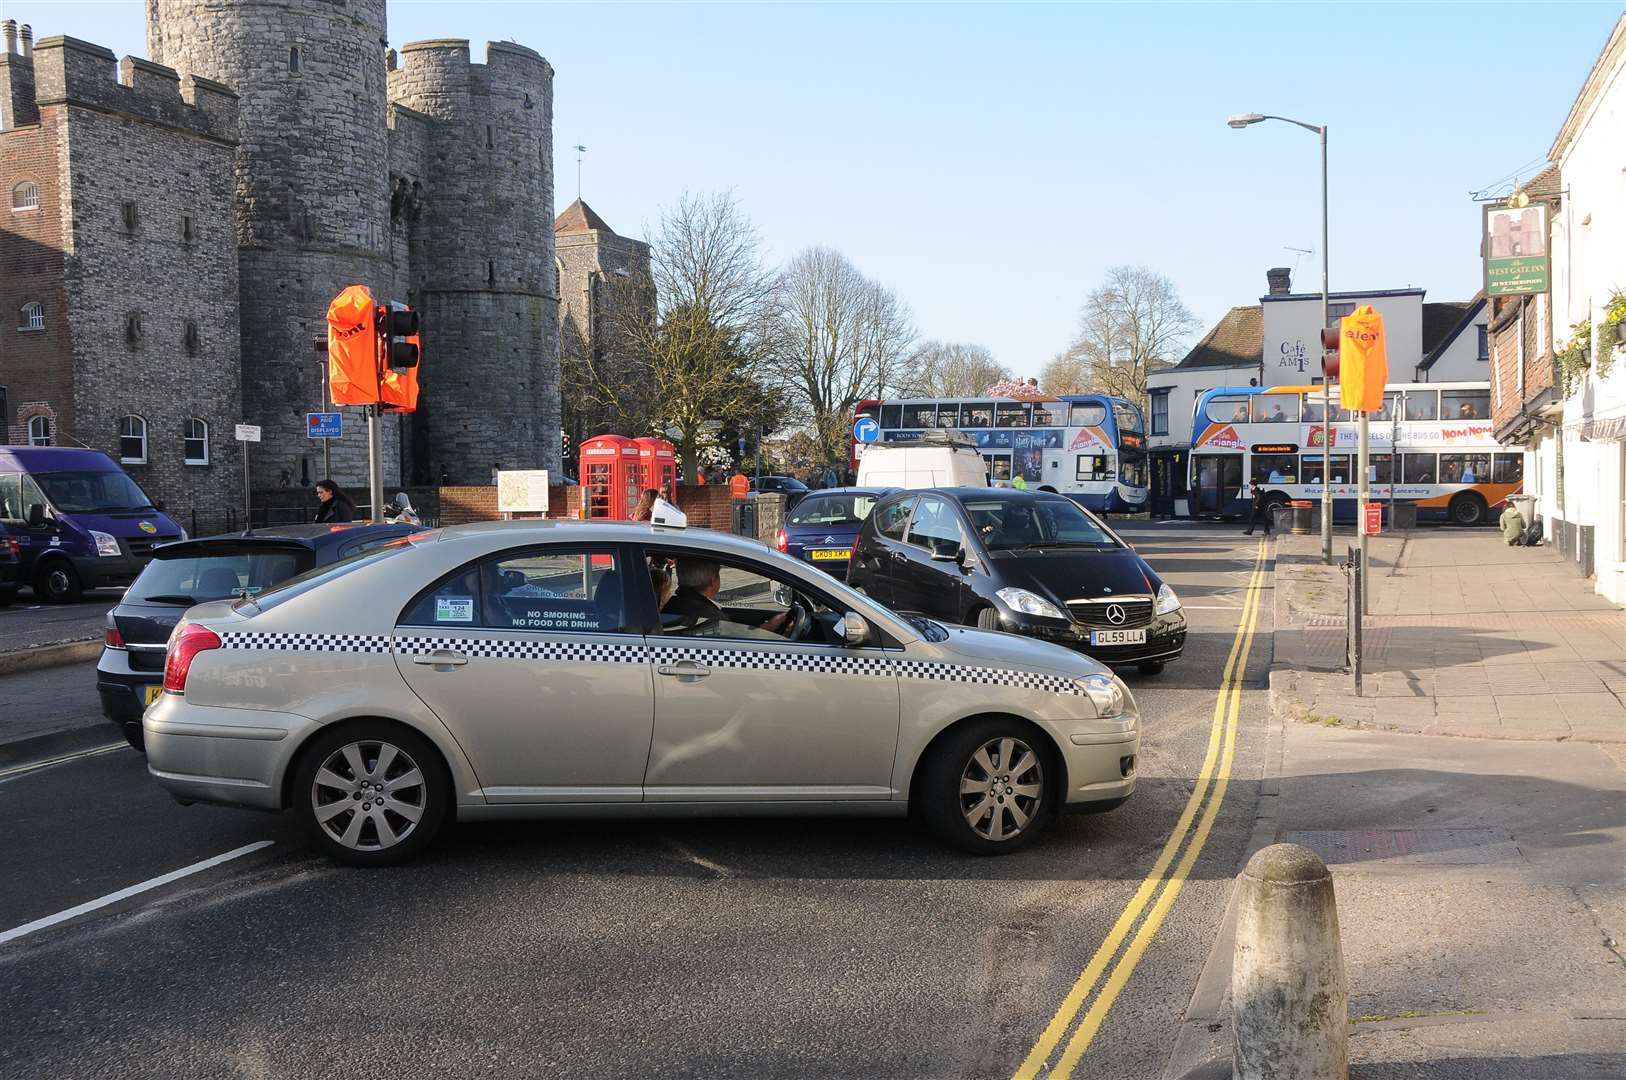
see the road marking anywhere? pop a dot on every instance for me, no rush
(17, 770)
(1221, 732)
(134, 890)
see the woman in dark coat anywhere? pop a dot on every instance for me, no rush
(336, 505)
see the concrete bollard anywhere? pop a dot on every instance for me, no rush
(1289, 998)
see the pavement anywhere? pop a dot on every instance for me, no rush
(1466, 636)
(1477, 840)
(34, 635)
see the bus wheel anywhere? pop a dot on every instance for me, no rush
(1468, 509)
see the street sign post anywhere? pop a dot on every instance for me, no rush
(324, 425)
(247, 433)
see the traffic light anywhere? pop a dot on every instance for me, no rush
(1330, 336)
(398, 326)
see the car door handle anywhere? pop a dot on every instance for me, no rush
(899, 556)
(685, 667)
(441, 658)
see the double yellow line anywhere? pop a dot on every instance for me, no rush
(1205, 800)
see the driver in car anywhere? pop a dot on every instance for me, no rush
(694, 603)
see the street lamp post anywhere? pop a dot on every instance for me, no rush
(1242, 120)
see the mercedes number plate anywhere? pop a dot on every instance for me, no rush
(1117, 637)
(820, 556)
(151, 694)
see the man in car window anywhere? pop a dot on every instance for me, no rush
(694, 606)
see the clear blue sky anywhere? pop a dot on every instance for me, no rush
(990, 162)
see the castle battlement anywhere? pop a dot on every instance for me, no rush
(449, 58)
(74, 72)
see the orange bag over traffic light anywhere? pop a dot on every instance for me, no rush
(352, 348)
(1363, 360)
(400, 389)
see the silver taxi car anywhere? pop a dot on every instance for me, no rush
(567, 669)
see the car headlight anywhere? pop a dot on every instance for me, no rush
(184, 534)
(1167, 601)
(1029, 603)
(1105, 692)
(106, 544)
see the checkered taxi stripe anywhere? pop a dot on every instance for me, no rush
(635, 653)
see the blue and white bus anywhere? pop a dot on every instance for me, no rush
(1089, 447)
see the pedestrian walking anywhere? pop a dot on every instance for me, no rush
(1257, 510)
(336, 505)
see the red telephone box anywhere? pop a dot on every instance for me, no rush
(657, 464)
(609, 476)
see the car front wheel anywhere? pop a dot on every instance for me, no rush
(371, 794)
(989, 788)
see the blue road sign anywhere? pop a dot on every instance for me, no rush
(742, 445)
(866, 429)
(324, 425)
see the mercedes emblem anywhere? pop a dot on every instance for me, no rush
(1116, 614)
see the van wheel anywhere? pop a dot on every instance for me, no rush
(1468, 509)
(371, 793)
(57, 582)
(988, 619)
(989, 788)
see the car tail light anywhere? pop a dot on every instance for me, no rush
(15, 546)
(112, 638)
(188, 640)
(852, 556)
(781, 540)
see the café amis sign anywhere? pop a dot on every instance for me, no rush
(1517, 248)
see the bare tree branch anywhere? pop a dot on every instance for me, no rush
(1131, 324)
(950, 369)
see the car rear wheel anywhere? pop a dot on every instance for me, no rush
(133, 735)
(989, 788)
(372, 794)
(57, 582)
(988, 619)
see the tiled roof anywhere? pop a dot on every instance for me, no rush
(1237, 340)
(1443, 322)
(578, 218)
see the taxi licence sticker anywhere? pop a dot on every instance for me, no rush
(454, 609)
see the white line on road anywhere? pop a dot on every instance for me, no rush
(18, 770)
(134, 890)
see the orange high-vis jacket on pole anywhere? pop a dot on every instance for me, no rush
(1363, 360)
(352, 348)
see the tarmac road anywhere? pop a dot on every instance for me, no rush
(825, 948)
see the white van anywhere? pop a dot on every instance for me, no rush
(941, 458)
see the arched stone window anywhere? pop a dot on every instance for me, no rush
(39, 431)
(32, 316)
(197, 442)
(25, 196)
(133, 440)
(293, 59)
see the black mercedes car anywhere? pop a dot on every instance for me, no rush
(130, 672)
(1029, 562)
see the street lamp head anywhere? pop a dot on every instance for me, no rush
(1242, 120)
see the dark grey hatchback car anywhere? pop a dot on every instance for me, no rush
(1029, 562)
(130, 672)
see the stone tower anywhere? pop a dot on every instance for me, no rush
(313, 197)
(473, 143)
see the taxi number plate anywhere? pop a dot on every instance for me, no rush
(1117, 637)
(820, 555)
(151, 694)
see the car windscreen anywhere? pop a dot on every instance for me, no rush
(827, 510)
(1007, 524)
(197, 574)
(85, 492)
(310, 579)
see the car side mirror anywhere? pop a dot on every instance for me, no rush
(783, 595)
(853, 629)
(36, 516)
(948, 552)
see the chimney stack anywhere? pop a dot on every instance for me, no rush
(1281, 280)
(10, 29)
(28, 40)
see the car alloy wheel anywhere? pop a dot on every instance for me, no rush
(1002, 789)
(368, 795)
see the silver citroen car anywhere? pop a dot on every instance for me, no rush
(567, 669)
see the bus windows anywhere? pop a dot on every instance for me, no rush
(1275, 468)
(1132, 469)
(1383, 468)
(1417, 468)
(1464, 404)
(1422, 405)
(1313, 473)
(1011, 414)
(1464, 468)
(1092, 467)
(1047, 416)
(1313, 413)
(948, 416)
(871, 410)
(1508, 469)
(889, 416)
(1275, 409)
(1128, 417)
(1087, 414)
(919, 416)
(1390, 410)
(1228, 410)
(980, 415)
(1001, 466)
